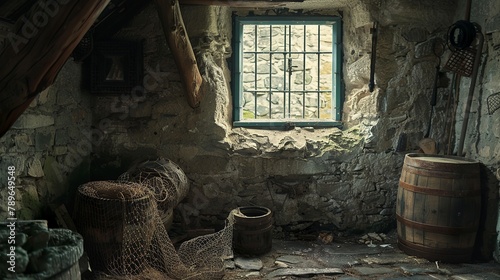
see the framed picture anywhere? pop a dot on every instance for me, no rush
(116, 66)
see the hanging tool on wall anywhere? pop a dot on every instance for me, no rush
(451, 110)
(475, 70)
(465, 60)
(428, 145)
(373, 31)
(493, 102)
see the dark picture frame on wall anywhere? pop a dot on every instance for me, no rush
(116, 66)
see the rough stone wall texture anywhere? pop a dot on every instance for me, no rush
(49, 145)
(342, 178)
(482, 138)
(346, 178)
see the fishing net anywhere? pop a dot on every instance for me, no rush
(166, 180)
(125, 237)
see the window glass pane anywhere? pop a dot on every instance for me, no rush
(297, 38)
(248, 39)
(262, 105)
(312, 38)
(296, 105)
(311, 73)
(326, 105)
(278, 100)
(311, 104)
(326, 38)
(326, 71)
(248, 105)
(278, 38)
(263, 38)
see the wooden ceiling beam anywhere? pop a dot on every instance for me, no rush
(240, 3)
(40, 44)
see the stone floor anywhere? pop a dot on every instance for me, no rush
(350, 261)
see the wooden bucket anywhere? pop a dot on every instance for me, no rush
(252, 234)
(438, 207)
(114, 228)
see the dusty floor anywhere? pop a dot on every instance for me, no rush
(330, 257)
(350, 260)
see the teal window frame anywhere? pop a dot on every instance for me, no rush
(337, 82)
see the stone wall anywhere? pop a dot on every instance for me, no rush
(49, 145)
(337, 178)
(482, 138)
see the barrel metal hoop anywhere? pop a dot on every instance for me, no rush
(435, 229)
(436, 192)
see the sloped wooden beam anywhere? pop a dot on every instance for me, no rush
(34, 53)
(178, 42)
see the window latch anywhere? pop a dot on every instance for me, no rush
(290, 67)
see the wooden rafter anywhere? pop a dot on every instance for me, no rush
(34, 53)
(178, 42)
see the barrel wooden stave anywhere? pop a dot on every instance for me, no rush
(438, 206)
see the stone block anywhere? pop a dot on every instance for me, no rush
(413, 12)
(248, 264)
(47, 97)
(68, 117)
(60, 150)
(415, 34)
(325, 189)
(198, 20)
(44, 140)
(35, 168)
(23, 142)
(372, 271)
(424, 49)
(207, 164)
(18, 161)
(32, 121)
(61, 137)
(43, 96)
(75, 133)
(67, 97)
(361, 15)
(493, 25)
(54, 171)
(31, 206)
(81, 117)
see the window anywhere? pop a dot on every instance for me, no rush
(287, 72)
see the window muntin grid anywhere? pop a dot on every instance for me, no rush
(288, 72)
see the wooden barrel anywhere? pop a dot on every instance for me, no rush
(438, 207)
(115, 222)
(252, 234)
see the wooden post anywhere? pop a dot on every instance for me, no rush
(34, 53)
(178, 41)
